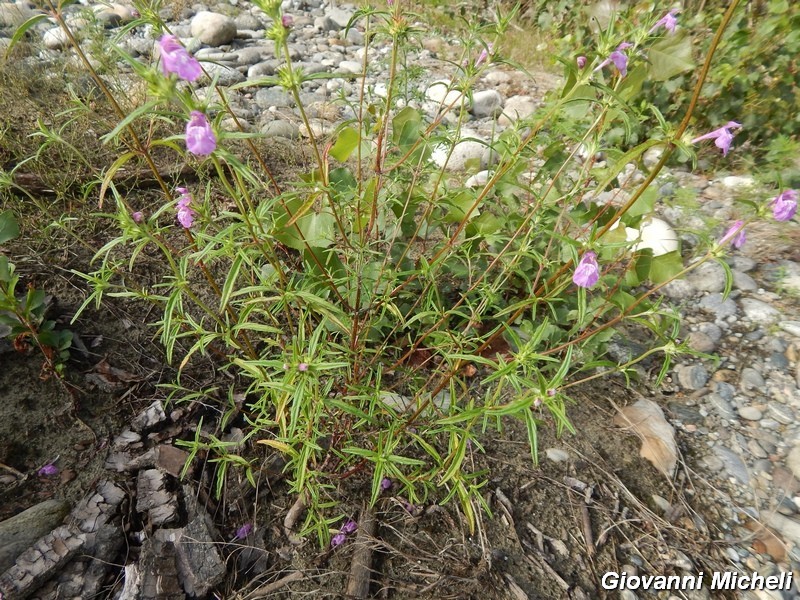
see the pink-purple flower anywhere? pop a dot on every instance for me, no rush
(619, 58)
(484, 55)
(784, 205)
(587, 273)
(176, 59)
(287, 21)
(200, 138)
(138, 216)
(349, 527)
(668, 22)
(722, 136)
(581, 60)
(186, 215)
(386, 484)
(48, 470)
(243, 531)
(735, 235)
(302, 367)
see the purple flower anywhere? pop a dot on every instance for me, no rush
(302, 367)
(386, 484)
(587, 273)
(287, 21)
(138, 216)
(175, 59)
(200, 139)
(735, 235)
(186, 215)
(784, 205)
(551, 392)
(723, 137)
(338, 540)
(410, 508)
(48, 470)
(619, 58)
(349, 527)
(668, 22)
(581, 60)
(243, 531)
(484, 55)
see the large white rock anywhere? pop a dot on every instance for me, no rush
(440, 92)
(55, 38)
(655, 234)
(212, 28)
(487, 103)
(463, 152)
(516, 108)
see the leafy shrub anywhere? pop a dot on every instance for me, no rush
(379, 312)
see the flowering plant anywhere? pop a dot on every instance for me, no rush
(380, 310)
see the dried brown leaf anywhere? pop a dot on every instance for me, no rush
(646, 419)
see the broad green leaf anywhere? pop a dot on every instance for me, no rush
(670, 56)
(644, 204)
(9, 228)
(345, 144)
(406, 127)
(665, 267)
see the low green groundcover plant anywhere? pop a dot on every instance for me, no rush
(376, 314)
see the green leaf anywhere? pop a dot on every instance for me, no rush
(9, 229)
(406, 127)
(665, 267)
(345, 144)
(644, 204)
(22, 29)
(670, 57)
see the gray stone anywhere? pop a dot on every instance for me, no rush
(793, 461)
(269, 97)
(742, 281)
(679, 289)
(750, 413)
(443, 95)
(701, 342)
(692, 377)
(281, 128)
(557, 455)
(263, 69)
(14, 15)
(751, 380)
(721, 406)
(733, 464)
(248, 21)
(212, 28)
(250, 56)
(725, 390)
(225, 75)
(517, 108)
(55, 38)
(759, 312)
(326, 24)
(779, 361)
(340, 15)
(791, 327)
(781, 413)
(721, 309)
(464, 151)
(355, 37)
(351, 66)
(708, 277)
(19, 532)
(486, 103)
(741, 263)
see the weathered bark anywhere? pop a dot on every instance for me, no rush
(361, 569)
(18, 533)
(92, 530)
